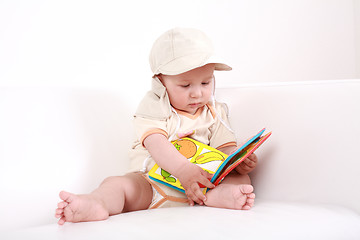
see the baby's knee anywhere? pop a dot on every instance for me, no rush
(111, 179)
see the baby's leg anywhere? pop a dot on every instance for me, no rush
(235, 192)
(115, 195)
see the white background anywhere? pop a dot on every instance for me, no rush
(105, 44)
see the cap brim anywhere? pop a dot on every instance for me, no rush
(187, 63)
(219, 64)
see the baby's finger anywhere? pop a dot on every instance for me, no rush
(245, 167)
(198, 198)
(191, 202)
(248, 162)
(204, 180)
(207, 175)
(193, 198)
(199, 195)
(253, 157)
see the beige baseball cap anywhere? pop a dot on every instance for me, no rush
(182, 49)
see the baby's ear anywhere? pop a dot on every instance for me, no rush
(159, 76)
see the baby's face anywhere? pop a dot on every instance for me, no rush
(191, 90)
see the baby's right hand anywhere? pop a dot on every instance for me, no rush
(190, 177)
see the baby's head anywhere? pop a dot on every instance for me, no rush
(183, 60)
(182, 49)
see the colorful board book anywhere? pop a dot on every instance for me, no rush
(210, 159)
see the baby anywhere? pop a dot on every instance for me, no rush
(181, 103)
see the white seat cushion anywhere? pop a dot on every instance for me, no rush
(267, 220)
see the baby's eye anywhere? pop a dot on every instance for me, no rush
(185, 86)
(205, 83)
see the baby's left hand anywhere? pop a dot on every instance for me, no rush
(247, 165)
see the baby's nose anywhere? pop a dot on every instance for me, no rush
(195, 92)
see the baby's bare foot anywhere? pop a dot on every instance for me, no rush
(231, 196)
(79, 208)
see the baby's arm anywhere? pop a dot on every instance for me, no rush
(168, 158)
(247, 165)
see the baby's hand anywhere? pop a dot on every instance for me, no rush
(190, 177)
(247, 165)
(182, 135)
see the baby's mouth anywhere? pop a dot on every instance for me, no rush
(195, 104)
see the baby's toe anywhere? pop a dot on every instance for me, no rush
(61, 221)
(62, 204)
(250, 200)
(246, 189)
(246, 207)
(59, 212)
(251, 195)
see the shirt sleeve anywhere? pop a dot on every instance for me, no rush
(221, 136)
(145, 127)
